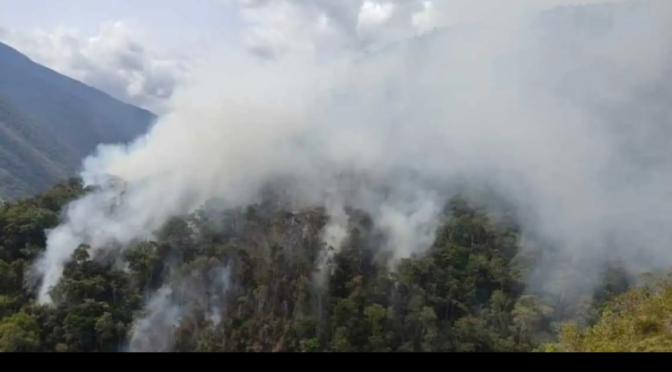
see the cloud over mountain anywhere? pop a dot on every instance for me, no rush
(114, 61)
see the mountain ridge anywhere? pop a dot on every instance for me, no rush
(49, 122)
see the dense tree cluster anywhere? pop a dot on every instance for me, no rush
(639, 320)
(249, 280)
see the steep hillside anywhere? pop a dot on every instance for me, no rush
(262, 278)
(638, 320)
(255, 279)
(49, 123)
(247, 280)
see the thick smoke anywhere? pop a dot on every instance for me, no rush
(563, 113)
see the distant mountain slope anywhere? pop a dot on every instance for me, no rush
(49, 123)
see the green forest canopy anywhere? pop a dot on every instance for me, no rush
(244, 280)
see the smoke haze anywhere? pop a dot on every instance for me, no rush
(562, 113)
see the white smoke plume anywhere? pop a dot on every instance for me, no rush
(563, 113)
(154, 332)
(169, 305)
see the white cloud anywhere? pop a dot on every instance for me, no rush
(325, 26)
(114, 61)
(119, 63)
(329, 26)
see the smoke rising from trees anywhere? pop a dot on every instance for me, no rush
(563, 114)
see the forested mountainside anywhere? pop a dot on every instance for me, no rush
(261, 278)
(49, 123)
(247, 280)
(635, 321)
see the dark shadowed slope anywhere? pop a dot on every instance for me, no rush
(49, 123)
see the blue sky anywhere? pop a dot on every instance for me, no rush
(170, 23)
